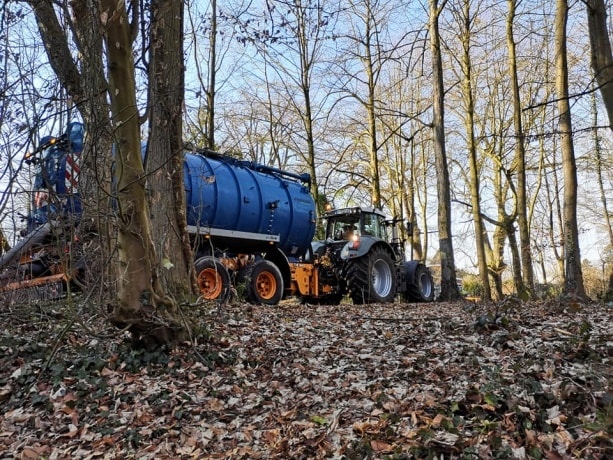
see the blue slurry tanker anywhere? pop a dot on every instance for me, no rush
(251, 227)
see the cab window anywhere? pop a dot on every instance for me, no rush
(373, 225)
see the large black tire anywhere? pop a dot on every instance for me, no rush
(213, 279)
(372, 278)
(422, 287)
(263, 282)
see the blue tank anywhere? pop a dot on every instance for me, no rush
(245, 202)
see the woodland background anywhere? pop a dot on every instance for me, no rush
(344, 91)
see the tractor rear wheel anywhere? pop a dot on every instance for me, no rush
(264, 282)
(372, 278)
(213, 279)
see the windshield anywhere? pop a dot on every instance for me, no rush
(343, 227)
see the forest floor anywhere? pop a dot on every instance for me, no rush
(439, 380)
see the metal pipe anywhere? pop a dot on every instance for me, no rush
(34, 237)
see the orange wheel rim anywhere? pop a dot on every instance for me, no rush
(210, 283)
(266, 285)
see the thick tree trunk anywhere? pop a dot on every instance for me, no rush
(97, 225)
(165, 149)
(573, 283)
(449, 285)
(142, 305)
(371, 110)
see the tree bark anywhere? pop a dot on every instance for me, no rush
(4, 244)
(165, 149)
(602, 58)
(474, 180)
(526, 287)
(449, 285)
(212, 89)
(573, 283)
(142, 305)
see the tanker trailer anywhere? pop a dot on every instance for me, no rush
(248, 222)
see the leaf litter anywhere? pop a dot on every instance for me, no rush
(393, 381)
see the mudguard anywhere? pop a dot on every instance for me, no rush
(362, 246)
(318, 247)
(410, 268)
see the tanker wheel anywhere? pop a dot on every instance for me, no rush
(372, 278)
(213, 279)
(422, 289)
(264, 283)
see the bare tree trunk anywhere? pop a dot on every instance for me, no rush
(408, 202)
(306, 45)
(424, 205)
(212, 90)
(599, 164)
(602, 58)
(165, 149)
(474, 181)
(504, 221)
(573, 283)
(496, 252)
(142, 305)
(449, 285)
(96, 160)
(497, 261)
(369, 67)
(555, 209)
(526, 288)
(515, 252)
(4, 244)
